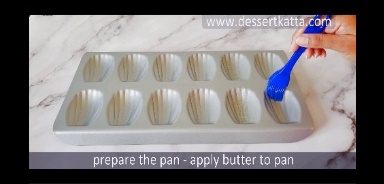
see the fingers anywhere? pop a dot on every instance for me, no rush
(298, 32)
(340, 43)
(294, 45)
(332, 25)
(323, 53)
(317, 52)
(339, 35)
(342, 24)
(311, 52)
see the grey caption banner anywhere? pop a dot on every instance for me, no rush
(192, 160)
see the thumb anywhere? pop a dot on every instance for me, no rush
(327, 41)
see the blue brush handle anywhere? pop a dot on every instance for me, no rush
(311, 28)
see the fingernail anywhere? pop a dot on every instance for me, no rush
(316, 55)
(302, 40)
(306, 56)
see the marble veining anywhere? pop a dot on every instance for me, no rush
(57, 43)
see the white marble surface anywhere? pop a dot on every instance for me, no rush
(57, 43)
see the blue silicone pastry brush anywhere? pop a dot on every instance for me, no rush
(279, 80)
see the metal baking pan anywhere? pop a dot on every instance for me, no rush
(198, 97)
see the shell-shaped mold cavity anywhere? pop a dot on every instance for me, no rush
(167, 67)
(98, 68)
(201, 67)
(164, 107)
(133, 67)
(84, 107)
(124, 107)
(286, 111)
(267, 63)
(203, 106)
(243, 106)
(235, 66)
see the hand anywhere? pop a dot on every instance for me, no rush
(340, 36)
